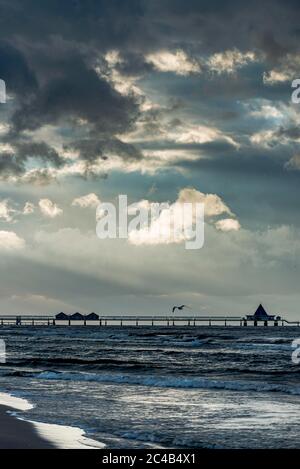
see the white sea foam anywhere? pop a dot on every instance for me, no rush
(65, 437)
(18, 403)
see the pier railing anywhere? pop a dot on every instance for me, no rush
(135, 320)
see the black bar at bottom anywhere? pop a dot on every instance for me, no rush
(138, 458)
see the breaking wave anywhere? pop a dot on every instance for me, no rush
(168, 382)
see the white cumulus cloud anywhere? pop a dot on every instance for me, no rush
(213, 204)
(89, 200)
(49, 209)
(276, 76)
(177, 62)
(10, 241)
(29, 208)
(230, 60)
(162, 228)
(6, 212)
(228, 224)
(287, 70)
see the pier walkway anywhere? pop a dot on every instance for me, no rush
(134, 320)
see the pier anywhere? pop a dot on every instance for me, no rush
(133, 320)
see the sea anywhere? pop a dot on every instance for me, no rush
(159, 387)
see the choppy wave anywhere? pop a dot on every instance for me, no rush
(263, 346)
(117, 375)
(168, 381)
(265, 339)
(71, 361)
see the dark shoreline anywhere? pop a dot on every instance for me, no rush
(19, 434)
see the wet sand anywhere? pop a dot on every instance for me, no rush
(18, 434)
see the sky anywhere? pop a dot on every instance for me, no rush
(164, 101)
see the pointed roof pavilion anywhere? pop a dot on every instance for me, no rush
(261, 312)
(260, 315)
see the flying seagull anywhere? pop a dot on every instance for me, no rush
(179, 307)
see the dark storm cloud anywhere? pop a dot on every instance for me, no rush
(14, 163)
(292, 133)
(93, 149)
(107, 23)
(15, 71)
(51, 48)
(77, 92)
(138, 26)
(214, 25)
(39, 150)
(9, 165)
(47, 61)
(135, 27)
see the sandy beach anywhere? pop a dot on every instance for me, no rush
(19, 434)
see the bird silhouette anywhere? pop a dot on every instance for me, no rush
(179, 307)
